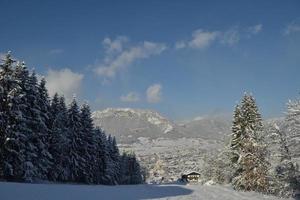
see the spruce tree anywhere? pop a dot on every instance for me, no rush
(252, 166)
(88, 139)
(102, 157)
(58, 142)
(12, 139)
(113, 170)
(283, 170)
(130, 169)
(31, 151)
(75, 146)
(293, 129)
(236, 135)
(38, 126)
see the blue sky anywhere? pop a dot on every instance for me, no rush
(182, 58)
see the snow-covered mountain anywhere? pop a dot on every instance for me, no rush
(128, 125)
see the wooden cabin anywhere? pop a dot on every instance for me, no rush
(191, 177)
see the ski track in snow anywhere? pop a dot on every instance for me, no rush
(23, 191)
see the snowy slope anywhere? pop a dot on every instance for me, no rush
(19, 191)
(130, 124)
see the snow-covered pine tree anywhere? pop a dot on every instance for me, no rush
(43, 102)
(38, 127)
(293, 136)
(113, 169)
(293, 129)
(130, 169)
(102, 157)
(283, 170)
(75, 146)
(252, 166)
(236, 135)
(30, 152)
(58, 142)
(88, 147)
(12, 139)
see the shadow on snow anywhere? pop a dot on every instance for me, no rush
(13, 191)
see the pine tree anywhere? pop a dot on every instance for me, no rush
(75, 146)
(58, 142)
(88, 147)
(130, 169)
(283, 170)
(293, 129)
(236, 135)
(37, 124)
(30, 152)
(102, 157)
(252, 166)
(113, 169)
(11, 139)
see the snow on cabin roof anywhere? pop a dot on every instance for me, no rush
(191, 173)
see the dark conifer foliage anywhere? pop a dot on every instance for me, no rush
(43, 139)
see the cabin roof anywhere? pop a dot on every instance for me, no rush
(191, 173)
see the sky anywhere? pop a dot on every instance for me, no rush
(181, 58)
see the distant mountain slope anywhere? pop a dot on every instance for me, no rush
(130, 124)
(208, 127)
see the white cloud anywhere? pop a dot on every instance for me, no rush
(253, 30)
(114, 45)
(180, 45)
(56, 51)
(293, 27)
(230, 37)
(202, 39)
(154, 93)
(130, 97)
(64, 82)
(125, 56)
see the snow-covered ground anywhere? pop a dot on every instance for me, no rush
(21, 191)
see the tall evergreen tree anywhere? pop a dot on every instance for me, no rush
(252, 166)
(12, 140)
(101, 156)
(130, 169)
(88, 138)
(293, 129)
(113, 169)
(39, 128)
(75, 146)
(31, 151)
(283, 171)
(58, 141)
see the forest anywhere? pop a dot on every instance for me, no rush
(43, 139)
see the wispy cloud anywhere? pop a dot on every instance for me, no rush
(119, 56)
(253, 30)
(180, 44)
(202, 39)
(230, 37)
(293, 27)
(56, 51)
(154, 93)
(130, 97)
(64, 82)
(116, 45)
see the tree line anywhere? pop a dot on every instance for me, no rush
(43, 139)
